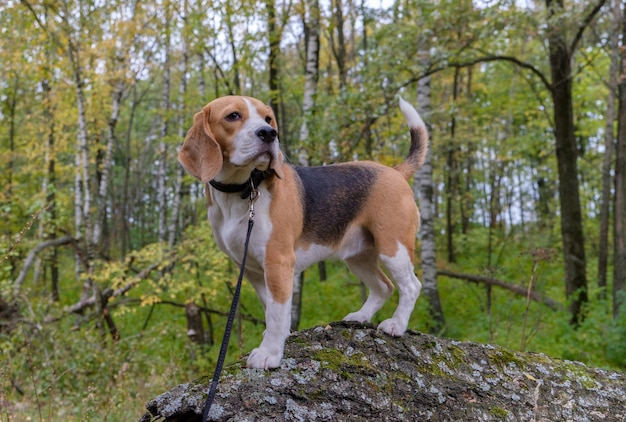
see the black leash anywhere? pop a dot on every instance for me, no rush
(254, 194)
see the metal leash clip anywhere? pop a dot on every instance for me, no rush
(254, 195)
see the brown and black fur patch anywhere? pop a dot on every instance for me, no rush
(332, 197)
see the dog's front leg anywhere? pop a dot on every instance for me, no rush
(278, 320)
(279, 284)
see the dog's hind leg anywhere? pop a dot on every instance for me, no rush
(366, 268)
(258, 282)
(401, 270)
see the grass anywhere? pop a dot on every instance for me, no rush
(67, 370)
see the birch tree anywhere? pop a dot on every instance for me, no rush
(424, 185)
(73, 38)
(311, 25)
(164, 130)
(119, 87)
(182, 129)
(68, 37)
(311, 70)
(48, 225)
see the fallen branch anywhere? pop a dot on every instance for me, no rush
(108, 293)
(30, 259)
(245, 316)
(517, 289)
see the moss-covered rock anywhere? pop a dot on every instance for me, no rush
(351, 372)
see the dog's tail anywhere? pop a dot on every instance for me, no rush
(419, 141)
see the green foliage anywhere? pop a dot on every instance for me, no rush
(596, 341)
(68, 369)
(615, 339)
(71, 373)
(73, 370)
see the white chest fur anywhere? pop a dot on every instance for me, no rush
(229, 215)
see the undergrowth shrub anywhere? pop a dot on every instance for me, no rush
(616, 339)
(62, 367)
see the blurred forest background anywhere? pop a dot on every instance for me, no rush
(111, 288)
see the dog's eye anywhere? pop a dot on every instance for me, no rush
(233, 116)
(268, 120)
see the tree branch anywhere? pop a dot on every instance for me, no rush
(30, 259)
(247, 317)
(514, 60)
(585, 23)
(484, 59)
(108, 293)
(519, 290)
(219, 70)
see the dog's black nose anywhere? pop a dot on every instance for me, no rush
(267, 134)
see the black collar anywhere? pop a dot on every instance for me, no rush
(245, 188)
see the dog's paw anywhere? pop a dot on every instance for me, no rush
(261, 358)
(392, 327)
(357, 317)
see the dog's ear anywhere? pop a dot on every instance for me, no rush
(201, 155)
(277, 165)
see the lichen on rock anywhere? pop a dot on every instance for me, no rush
(352, 372)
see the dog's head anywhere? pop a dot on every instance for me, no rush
(235, 134)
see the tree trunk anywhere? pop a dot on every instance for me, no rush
(296, 303)
(619, 221)
(178, 183)
(567, 155)
(496, 173)
(49, 217)
(467, 201)
(424, 185)
(124, 232)
(274, 35)
(452, 177)
(311, 72)
(312, 36)
(233, 49)
(609, 139)
(81, 189)
(338, 45)
(321, 270)
(12, 106)
(163, 147)
(195, 325)
(82, 151)
(83, 178)
(107, 168)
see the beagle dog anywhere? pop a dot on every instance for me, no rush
(361, 212)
